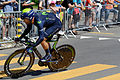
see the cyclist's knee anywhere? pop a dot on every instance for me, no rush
(44, 41)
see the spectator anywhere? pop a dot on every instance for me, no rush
(117, 3)
(65, 4)
(76, 16)
(77, 2)
(26, 4)
(98, 9)
(70, 15)
(43, 4)
(118, 8)
(58, 4)
(2, 26)
(102, 12)
(82, 11)
(1, 10)
(53, 7)
(90, 12)
(109, 8)
(9, 5)
(61, 8)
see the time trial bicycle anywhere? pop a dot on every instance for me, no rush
(20, 61)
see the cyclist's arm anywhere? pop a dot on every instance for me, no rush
(40, 32)
(27, 30)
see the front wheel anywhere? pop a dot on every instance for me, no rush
(18, 63)
(64, 55)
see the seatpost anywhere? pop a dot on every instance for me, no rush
(58, 36)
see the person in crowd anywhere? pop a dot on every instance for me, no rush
(98, 9)
(1, 10)
(109, 8)
(102, 12)
(118, 8)
(8, 5)
(53, 7)
(78, 7)
(70, 15)
(26, 4)
(2, 25)
(58, 4)
(64, 4)
(90, 12)
(82, 10)
(116, 2)
(61, 8)
(77, 2)
(43, 4)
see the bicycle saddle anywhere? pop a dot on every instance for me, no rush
(61, 33)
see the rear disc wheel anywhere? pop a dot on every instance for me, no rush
(64, 57)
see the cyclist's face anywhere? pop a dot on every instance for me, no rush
(27, 21)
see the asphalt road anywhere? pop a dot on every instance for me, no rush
(97, 58)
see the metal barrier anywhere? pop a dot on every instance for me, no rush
(13, 26)
(110, 22)
(81, 26)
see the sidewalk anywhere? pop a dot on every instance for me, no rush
(6, 44)
(113, 32)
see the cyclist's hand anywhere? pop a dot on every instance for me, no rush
(30, 50)
(17, 39)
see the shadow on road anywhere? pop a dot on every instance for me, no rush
(30, 72)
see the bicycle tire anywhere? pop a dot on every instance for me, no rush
(68, 54)
(23, 71)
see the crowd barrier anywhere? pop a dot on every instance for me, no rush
(80, 24)
(12, 25)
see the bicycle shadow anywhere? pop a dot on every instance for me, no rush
(30, 72)
(39, 72)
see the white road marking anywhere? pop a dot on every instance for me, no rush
(105, 38)
(85, 37)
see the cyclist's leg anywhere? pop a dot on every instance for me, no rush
(49, 32)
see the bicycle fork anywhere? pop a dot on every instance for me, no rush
(22, 58)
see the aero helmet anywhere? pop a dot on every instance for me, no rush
(27, 13)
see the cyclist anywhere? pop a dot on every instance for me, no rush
(42, 20)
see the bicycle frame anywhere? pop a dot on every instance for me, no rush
(35, 51)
